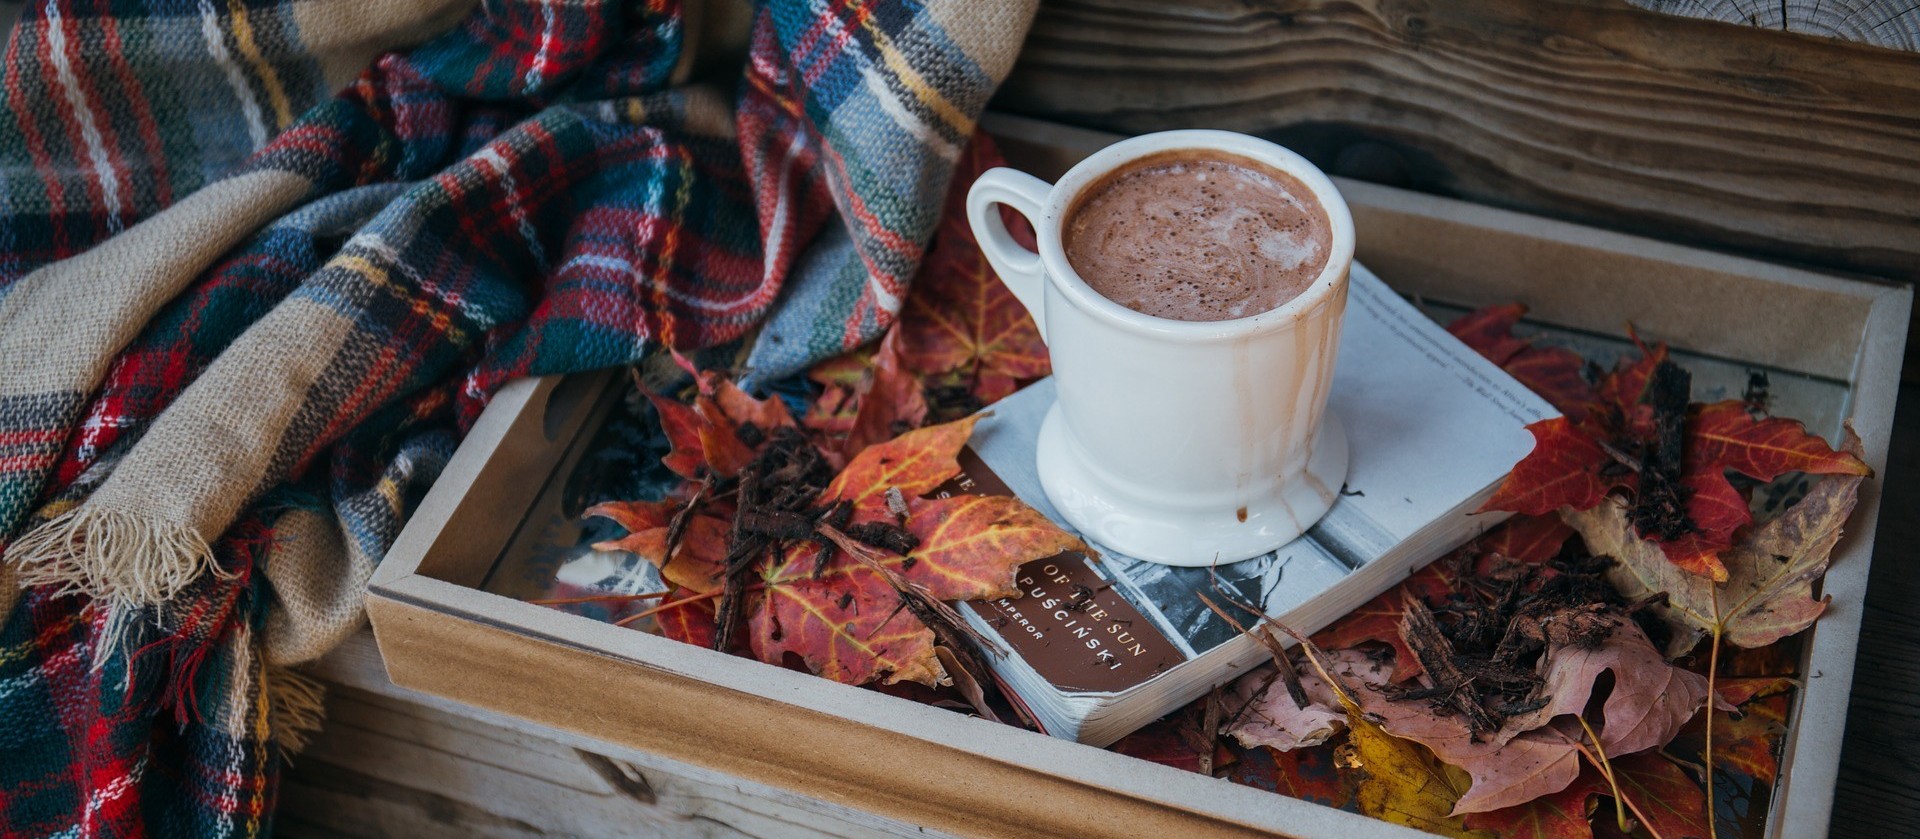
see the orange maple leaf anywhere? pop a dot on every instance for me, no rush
(711, 435)
(847, 617)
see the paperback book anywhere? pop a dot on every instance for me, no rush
(1095, 648)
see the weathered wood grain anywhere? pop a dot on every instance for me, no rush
(1879, 789)
(391, 762)
(1894, 24)
(1799, 149)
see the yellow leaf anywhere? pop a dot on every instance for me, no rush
(1401, 781)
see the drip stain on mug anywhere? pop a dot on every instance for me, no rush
(1196, 235)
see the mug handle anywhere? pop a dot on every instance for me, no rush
(1016, 266)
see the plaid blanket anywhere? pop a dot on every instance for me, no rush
(262, 262)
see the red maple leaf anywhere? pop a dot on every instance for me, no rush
(1309, 774)
(1489, 331)
(710, 434)
(960, 320)
(1576, 462)
(1567, 468)
(1623, 387)
(1555, 373)
(866, 398)
(1747, 742)
(1723, 436)
(698, 561)
(1669, 799)
(686, 620)
(1179, 740)
(845, 622)
(1527, 539)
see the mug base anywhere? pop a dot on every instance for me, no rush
(1172, 535)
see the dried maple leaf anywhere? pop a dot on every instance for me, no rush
(1665, 798)
(1526, 539)
(1399, 781)
(1768, 594)
(1308, 774)
(1378, 620)
(1562, 815)
(1272, 719)
(1515, 770)
(959, 316)
(698, 559)
(712, 436)
(1650, 700)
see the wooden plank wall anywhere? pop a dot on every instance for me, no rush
(1788, 147)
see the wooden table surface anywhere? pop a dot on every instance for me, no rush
(1879, 791)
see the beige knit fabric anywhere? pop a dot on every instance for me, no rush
(53, 340)
(319, 584)
(56, 339)
(145, 533)
(345, 36)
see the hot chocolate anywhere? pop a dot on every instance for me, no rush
(1198, 236)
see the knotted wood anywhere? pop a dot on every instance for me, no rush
(1739, 138)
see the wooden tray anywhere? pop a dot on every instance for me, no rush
(911, 764)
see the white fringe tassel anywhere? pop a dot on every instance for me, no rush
(111, 555)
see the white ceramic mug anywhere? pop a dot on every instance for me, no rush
(1181, 442)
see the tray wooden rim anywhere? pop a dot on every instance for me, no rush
(1092, 786)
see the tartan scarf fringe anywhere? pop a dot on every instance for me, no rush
(296, 707)
(120, 558)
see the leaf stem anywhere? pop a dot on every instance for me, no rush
(1713, 687)
(1606, 769)
(665, 606)
(1620, 795)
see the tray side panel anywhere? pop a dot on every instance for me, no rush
(756, 737)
